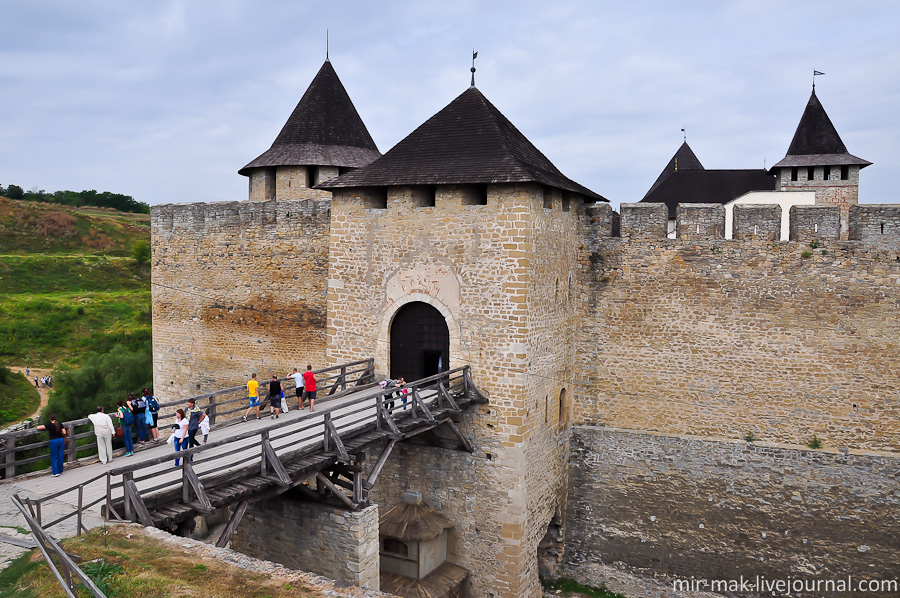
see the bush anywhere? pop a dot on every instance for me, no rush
(103, 379)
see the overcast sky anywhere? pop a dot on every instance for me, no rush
(166, 100)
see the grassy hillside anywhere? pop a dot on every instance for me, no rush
(69, 283)
(19, 396)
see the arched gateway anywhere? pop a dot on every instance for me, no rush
(420, 342)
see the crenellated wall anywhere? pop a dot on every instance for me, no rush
(238, 287)
(716, 338)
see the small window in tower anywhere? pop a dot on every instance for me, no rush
(826, 173)
(474, 195)
(423, 197)
(810, 174)
(845, 173)
(375, 197)
(548, 198)
(794, 173)
(566, 201)
(394, 546)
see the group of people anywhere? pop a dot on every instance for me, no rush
(140, 413)
(304, 387)
(402, 392)
(189, 422)
(46, 381)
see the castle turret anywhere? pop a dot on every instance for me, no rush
(817, 160)
(460, 247)
(323, 138)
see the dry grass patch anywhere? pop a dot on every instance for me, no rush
(152, 568)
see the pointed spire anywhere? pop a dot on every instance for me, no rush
(684, 159)
(323, 130)
(326, 46)
(468, 142)
(474, 56)
(816, 142)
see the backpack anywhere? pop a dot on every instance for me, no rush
(127, 417)
(140, 404)
(153, 404)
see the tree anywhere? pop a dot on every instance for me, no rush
(15, 192)
(102, 380)
(141, 252)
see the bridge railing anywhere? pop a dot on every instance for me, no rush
(26, 447)
(262, 452)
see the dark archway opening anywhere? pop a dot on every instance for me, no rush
(420, 342)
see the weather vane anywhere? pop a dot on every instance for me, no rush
(815, 72)
(474, 56)
(683, 135)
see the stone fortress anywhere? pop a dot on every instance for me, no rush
(625, 369)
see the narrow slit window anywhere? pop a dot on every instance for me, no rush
(810, 174)
(845, 173)
(794, 173)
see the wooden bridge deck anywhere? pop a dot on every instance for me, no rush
(253, 460)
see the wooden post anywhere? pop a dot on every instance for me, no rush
(10, 457)
(129, 508)
(358, 479)
(326, 437)
(212, 409)
(263, 465)
(78, 525)
(70, 432)
(378, 419)
(344, 377)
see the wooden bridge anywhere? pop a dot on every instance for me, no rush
(322, 455)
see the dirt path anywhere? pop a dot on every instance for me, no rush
(44, 392)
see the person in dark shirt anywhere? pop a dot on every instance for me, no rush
(275, 396)
(57, 443)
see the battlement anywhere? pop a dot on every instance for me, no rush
(231, 216)
(876, 225)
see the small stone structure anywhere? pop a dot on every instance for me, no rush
(414, 551)
(339, 544)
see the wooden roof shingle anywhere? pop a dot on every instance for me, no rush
(468, 142)
(323, 130)
(816, 142)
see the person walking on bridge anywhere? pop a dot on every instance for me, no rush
(104, 429)
(309, 382)
(195, 415)
(57, 443)
(275, 393)
(298, 386)
(126, 419)
(253, 392)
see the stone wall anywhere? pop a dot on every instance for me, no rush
(715, 338)
(341, 545)
(700, 221)
(876, 225)
(500, 273)
(815, 223)
(688, 507)
(239, 287)
(757, 222)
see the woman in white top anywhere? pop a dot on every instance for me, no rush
(180, 433)
(204, 428)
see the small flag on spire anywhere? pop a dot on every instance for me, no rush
(474, 56)
(817, 73)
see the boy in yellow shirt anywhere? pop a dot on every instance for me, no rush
(253, 392)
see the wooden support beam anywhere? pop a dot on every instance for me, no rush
(386, 417)
(197, 486)
(425, 410)
(332, 434)
(336, 491)
(445, 394)
(379, 464)
(272, 459)
(233, 523)
(137, 503)
(466, 445)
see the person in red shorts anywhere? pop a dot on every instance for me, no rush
(309, 384)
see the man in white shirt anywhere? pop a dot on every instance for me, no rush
(298, 386)
(104, 429)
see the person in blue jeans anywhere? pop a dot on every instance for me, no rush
(139, 410)
(180, 433)
(57, 444)
(126, 417)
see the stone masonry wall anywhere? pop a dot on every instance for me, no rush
(716, 338)
(500, 275)
(341, 545)
(239, 287)
(757, 222)
(815, 223)
(876, 225)
(688, 507)
(700, 221)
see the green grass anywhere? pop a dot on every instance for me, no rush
(19, 568)
(18, 397)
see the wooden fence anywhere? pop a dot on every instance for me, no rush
(25, 447)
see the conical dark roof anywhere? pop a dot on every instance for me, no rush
(468, 142)
(684, 159)
(323, 130)
(816, 142)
